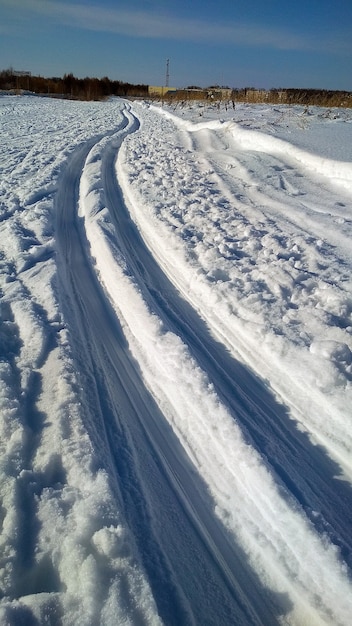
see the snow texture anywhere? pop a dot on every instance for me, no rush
(176, 364)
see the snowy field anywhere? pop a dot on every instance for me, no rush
(175, 364)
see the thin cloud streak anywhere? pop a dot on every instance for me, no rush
(141, 24)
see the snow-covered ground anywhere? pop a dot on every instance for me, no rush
(175, 364)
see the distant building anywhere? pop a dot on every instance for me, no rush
(159, 91)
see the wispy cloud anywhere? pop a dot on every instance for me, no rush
(144, 24)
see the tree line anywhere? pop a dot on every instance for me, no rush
(69, 86)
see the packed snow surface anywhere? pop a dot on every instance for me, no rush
(175, 364)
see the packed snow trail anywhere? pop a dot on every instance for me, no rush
(197, 573)
(265, 422)
(66, 554)
(153, 316)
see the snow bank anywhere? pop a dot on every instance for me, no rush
(338, 172)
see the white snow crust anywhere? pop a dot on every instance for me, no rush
(248, 212)
(261, 246)
(66, 555)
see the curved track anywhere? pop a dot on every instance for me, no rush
(304, 470)
(197, 573)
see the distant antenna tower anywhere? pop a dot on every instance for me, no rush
(167, 73)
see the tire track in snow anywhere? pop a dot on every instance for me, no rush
(196, 572)
(306, 471)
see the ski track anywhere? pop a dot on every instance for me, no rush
(197, 575)
(164, 460)
(249, 406)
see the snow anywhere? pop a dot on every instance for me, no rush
(255, 246)
(65, 547)
(176, 363)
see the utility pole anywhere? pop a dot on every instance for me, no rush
(167, 73)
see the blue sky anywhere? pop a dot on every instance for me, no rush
(240, 43)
